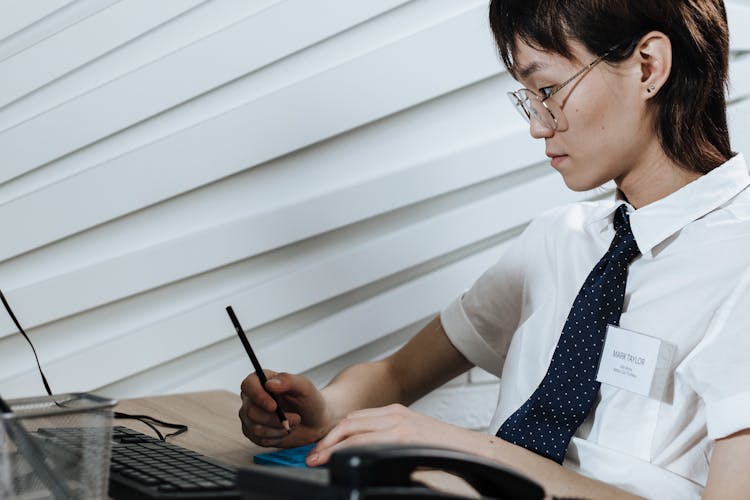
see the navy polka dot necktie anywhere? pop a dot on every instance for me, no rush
(549, 418)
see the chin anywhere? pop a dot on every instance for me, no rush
(578, 184)
(581, 178)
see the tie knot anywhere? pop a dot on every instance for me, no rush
(624, 245)
(622, 219)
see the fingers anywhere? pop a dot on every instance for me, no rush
(268, 433)
(301, 401)
(270, 419)
(259, 396)
(265, 436)
(290, 385)
(261, 426)
(369, 426)
(320, 456)
(256, 415)
(257, 432)
(352, 425)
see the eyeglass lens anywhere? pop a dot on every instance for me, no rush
(529, 106)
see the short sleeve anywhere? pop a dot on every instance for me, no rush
(718, 369)
(481, 322)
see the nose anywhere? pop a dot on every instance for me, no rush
(539, 130)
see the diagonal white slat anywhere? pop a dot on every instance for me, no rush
(739, 78)
(350, 328)
(178, 77)
(67, 50)
(45, 27)
(166, 306)
(198, 372)
(739, 124)
(348, 44)
(263, 231)
(306, 348)
(310, 285)
(413, 136)
(291, 120)
(738, 15)
(16, 15)
(189, 27)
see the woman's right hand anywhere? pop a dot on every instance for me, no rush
(301, 401)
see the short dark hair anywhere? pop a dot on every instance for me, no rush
(691, 120)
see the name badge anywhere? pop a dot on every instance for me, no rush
(635, 362)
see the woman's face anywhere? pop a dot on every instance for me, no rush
(606, 131)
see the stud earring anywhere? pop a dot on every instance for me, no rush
(651, 89)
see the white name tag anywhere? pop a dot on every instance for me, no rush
(635, 362)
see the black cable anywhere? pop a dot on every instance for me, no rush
(4, 408)
(181, 428)
(23, 332)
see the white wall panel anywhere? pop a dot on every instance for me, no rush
(738, 12)
(176, 78)
(194, 24)
(238, 139)
(19, 14)
(335, 170)
(83, 42)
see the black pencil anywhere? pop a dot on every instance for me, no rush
(256, 364)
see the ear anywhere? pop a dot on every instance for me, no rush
(654, 52)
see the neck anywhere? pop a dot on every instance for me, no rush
(653, 177)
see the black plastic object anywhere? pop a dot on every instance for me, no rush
(377, 470)
(380, 472)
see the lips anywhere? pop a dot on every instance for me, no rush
(556, 158)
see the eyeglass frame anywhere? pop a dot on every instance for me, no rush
(518, 103)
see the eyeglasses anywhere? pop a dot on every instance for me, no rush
(531, 105)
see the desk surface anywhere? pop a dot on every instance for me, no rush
(215, 431)
(214, 427)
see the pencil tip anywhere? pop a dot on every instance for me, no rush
(285, 423)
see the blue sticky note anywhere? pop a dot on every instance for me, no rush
(289, 457)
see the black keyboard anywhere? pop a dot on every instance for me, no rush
(144, 467)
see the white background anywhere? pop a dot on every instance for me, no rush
(336, 170)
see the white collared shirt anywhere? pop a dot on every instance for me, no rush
(689, 287)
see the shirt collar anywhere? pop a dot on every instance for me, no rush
(657, 221)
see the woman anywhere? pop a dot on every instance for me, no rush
(632, 375)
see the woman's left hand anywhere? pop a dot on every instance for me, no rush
(394, 424)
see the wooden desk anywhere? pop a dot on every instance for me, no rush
(215, 431)
(211, 417)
